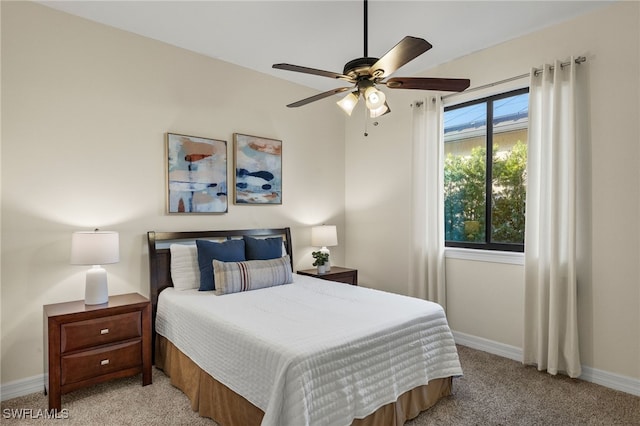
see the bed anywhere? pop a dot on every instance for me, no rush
(306, 352)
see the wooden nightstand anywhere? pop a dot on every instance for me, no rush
(89, 344)
(343, 275)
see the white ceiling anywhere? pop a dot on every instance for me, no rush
(326, 34)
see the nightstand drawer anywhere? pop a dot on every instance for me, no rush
(93, 363)
(100, 331)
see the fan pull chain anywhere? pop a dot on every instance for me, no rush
(365, 123)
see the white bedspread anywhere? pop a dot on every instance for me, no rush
(313, 352)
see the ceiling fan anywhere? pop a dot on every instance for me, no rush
(367, 72)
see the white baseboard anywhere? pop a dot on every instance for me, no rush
(486, 345)
(593, 375)
(22, 387)
(611, 380)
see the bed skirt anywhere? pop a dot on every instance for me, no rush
(214, 400)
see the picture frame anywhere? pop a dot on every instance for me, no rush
(196, 175)
(258, 170)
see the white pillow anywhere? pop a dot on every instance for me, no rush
(185, 272)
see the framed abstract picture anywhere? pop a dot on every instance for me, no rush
(258, 174)
(197, 174)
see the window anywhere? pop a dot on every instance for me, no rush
(485, 165)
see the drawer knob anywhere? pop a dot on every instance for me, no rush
(104, 331)
(104, 362)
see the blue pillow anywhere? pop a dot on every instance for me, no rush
(262, 249)
(227, 251)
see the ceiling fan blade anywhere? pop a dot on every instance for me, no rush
(319, 96)
(426, 83)
(307, 70)
(408, 49)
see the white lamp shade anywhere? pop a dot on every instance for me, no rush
(95, 248)
(324, 235)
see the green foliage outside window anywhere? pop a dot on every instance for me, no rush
(509, 196)
(464, 202)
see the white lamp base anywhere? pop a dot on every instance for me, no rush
(328, 262)
(96, 291)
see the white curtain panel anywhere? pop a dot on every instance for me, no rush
(426, 274)
(550, 312)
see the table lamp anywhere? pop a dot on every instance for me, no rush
(95, 248)
(323, 236)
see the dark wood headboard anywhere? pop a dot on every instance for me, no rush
(160, 255)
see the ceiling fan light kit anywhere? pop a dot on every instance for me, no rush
(366, 72)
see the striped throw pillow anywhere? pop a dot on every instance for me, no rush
(234, 277)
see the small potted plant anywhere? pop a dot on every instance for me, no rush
(321, 258)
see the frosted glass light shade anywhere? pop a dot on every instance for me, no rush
(324, 235)
(348, 103)
(384, 109)
(374, 97)
(95, 248)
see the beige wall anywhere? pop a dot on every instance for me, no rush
(84, 111)
(486, 300)
(504, 295)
